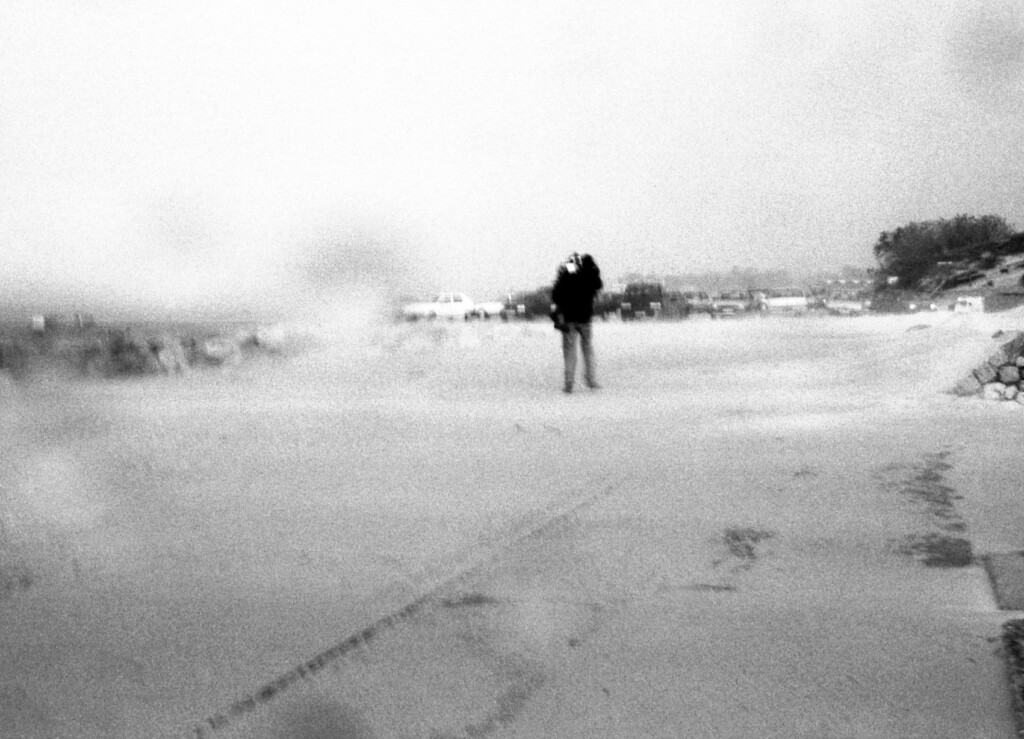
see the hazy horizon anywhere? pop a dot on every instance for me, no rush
(270, 156)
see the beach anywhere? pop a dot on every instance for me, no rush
(408, 530)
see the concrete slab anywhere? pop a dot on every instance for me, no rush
(171, 550)
(1006, 570)
(518, 648)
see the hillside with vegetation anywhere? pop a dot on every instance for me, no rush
(938, 261)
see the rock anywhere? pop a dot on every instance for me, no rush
(1009, 374)
(247, 341)
(218, 351)
(1011, 392)
(1000, 358)
(171, 356)
(1015, 345)
(1019, 361)
(131, 356)
(993, 391)
(968, 386)
(986, 373)
(288, 339)
(1020, 398)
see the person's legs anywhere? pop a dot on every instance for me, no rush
(587, 345)
(569, 354)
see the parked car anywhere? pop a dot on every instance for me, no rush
(674, 305)
(489, 309)
(839, 306)
(641, 299)
(529, 305)
(445, 305)
(783, 300)
(697, 301)
(892, 301)
(608, 303)
(730, 303)
(846, 303)
(969, 304)
(651, 300)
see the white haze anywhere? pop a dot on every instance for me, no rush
(182, 159)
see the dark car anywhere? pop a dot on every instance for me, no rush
(529, 305)
(607, 303)
(641, 300)
(651, 300)
(698, 301)
(889, 301)
(730, 303)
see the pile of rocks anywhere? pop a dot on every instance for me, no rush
(998, 378)
(110, 352)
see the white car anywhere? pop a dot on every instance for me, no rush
(784, 300)
(847, 304)
(489, 309)
(445, 305)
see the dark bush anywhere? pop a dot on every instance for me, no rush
(912, 251)
(128, 357)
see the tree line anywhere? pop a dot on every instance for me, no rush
(913, 252)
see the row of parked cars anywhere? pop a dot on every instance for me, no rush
(650, 300)
(641, 300)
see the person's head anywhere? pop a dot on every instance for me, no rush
(572, 263)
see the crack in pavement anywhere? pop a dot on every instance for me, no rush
(309, 668)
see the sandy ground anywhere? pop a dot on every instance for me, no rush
(728, 540)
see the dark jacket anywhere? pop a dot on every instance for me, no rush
(574, 291)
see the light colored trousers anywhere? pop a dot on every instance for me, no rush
(583, 330)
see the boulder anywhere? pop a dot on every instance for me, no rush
(1011, 392)
(985, 373)
(1001, 357)
(1020, 398)
(171, 357)
(129, 355)
(218, 351)
(993, 391)
(968, 386)
(1009, 374)
(1015, 346)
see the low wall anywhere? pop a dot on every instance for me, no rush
(104, 352)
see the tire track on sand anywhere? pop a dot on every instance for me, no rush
(543, 521)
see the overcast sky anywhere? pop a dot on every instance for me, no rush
(173, 155)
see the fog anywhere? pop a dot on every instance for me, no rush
(183, 159)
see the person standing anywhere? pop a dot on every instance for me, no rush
(576, 285)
